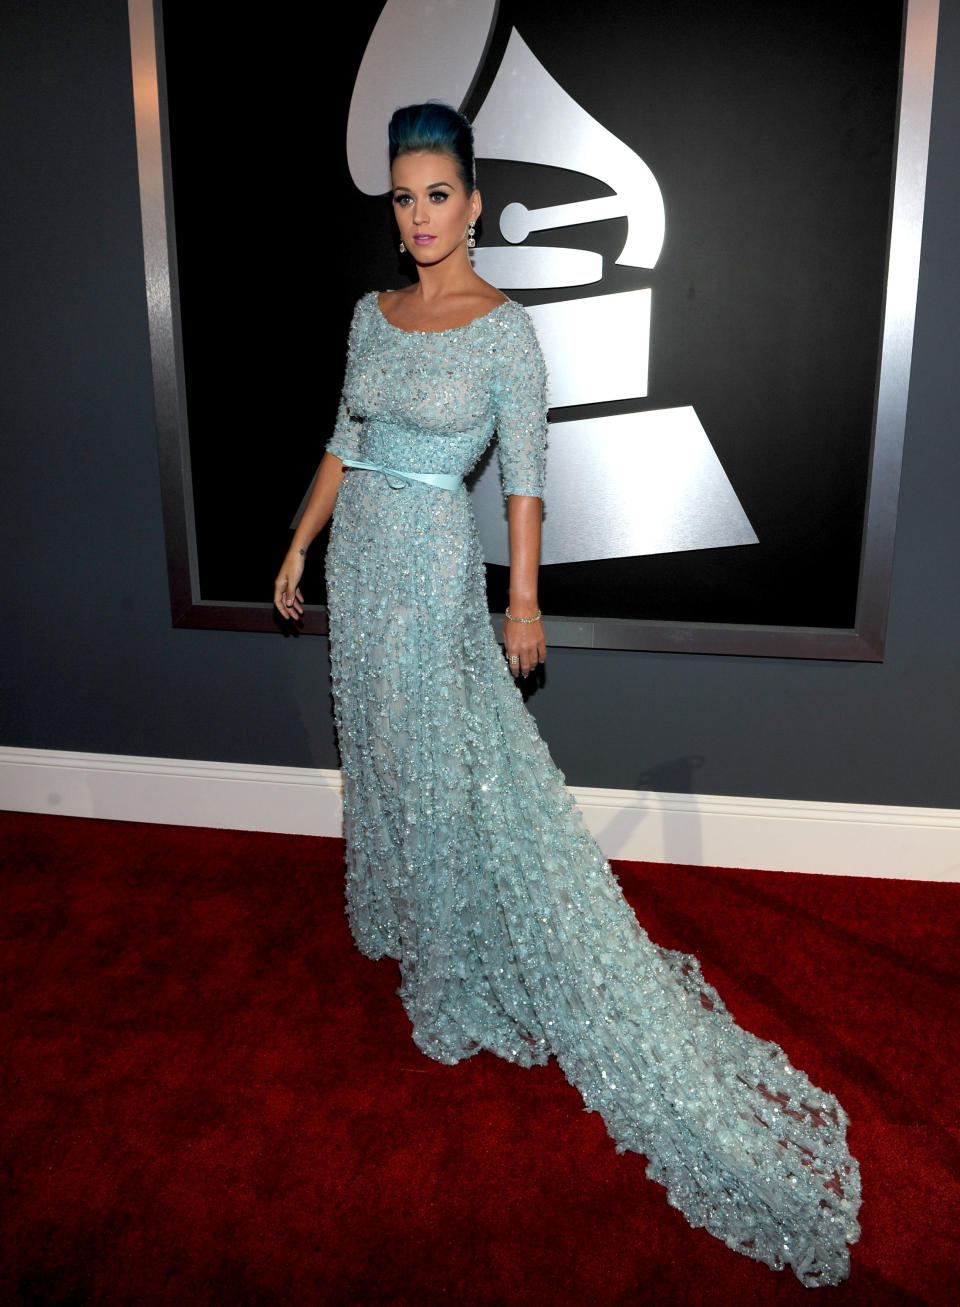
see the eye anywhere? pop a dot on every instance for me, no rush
(439, 196)
(403, 200)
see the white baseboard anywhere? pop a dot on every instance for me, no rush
(172, 791)
(694, 829)
(835, 839)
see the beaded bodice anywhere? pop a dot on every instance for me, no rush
(431, 401)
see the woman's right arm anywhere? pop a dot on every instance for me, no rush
(287, 598)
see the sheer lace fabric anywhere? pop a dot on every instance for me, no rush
(469, 863)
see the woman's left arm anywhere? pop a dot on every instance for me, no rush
(524, 639)
(521, 411)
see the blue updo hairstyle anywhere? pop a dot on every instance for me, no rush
(434, 128)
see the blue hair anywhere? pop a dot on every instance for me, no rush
(434, 128)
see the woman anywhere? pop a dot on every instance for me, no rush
(467, 861)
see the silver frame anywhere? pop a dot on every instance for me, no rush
(863, 642)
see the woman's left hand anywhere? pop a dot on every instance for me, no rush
(524, 644)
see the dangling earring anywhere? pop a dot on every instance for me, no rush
(403, 248)
(471, 235)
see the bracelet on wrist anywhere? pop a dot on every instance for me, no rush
(524, 621)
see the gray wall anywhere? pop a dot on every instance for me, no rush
(89, 659)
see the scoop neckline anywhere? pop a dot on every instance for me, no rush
(443, 331)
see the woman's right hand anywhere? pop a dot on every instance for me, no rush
(287, 598)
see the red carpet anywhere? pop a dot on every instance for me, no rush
(208, 1097)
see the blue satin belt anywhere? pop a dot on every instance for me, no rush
(442, 480)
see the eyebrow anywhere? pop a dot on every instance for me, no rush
(428, 187)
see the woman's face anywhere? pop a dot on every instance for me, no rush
(432, 206)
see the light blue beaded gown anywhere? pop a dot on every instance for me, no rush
(468, 862)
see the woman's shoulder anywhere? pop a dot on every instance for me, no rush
(363, 315)
(514, 322)
(491, 305)
(491, 296)
(367, 301)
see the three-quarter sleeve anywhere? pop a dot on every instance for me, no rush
(345, 440)
(521, 408)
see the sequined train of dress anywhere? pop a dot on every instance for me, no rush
(468, 862)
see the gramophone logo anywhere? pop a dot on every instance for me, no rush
(642, 482)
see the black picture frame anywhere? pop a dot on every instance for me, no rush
(303, 384)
